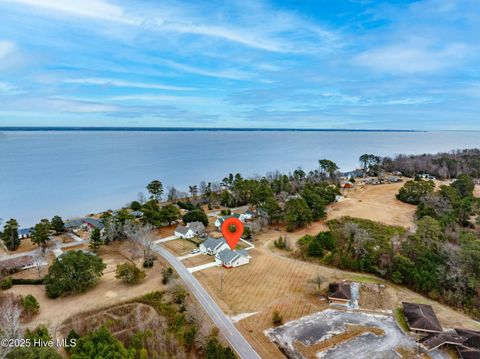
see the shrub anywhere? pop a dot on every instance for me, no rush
(6, 283)
(33, 353)
(148, 263)
(166, 275)
(72, 335)
(30, 305)
(277, 318)
(186, 205)
(129, 273)
(39, 333)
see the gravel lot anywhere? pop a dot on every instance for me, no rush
(328, 323)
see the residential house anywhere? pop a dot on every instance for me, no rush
(198, 228)
(421, 318)
(12, 265)
(248, 215)
(24, 233)
(470, 348)
(89, 224)
(212, 246)
(184, 232)
(136, 214)
(231, 259)
(219, 221)
(73, 224)
(467, 342)
(339, 293)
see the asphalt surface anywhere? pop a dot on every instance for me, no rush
(226, 327)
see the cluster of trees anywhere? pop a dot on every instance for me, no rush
(413, 191)
(73, 272)
(40, 234)
(441, 259)
(441, 165)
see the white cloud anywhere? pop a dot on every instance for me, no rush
(6, 48)
(191, 100)
(227, 74)
(266, 29)
(120, 83)
(9, 89)
(85, 8)
(409, 59)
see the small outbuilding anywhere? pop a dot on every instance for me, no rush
(339, 293)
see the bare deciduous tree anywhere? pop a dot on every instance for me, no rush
(142, 234)
(10, 312)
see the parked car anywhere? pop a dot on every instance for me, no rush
(195, 251)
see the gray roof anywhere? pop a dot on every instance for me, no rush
(182, 229)
(197, 226)
(96, 223)
(137, 213)
(212, 243)
(72, 223)
(24, 231)
(227, 255)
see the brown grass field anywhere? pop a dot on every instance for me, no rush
(377, 203)
(197, 260)
(179, 247)
(476, 191)
(275, 281)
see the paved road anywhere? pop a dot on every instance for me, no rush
(234, 337)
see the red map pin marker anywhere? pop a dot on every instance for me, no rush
(232, 238)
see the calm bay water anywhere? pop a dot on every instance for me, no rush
(44, 173)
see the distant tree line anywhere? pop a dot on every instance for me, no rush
(442, 165)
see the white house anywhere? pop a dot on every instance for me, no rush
(248, 215)
(198, 228)
(24, 233)
(230, 259)
(184, 232)
(219, 221)
(212, 246)
(89, 224)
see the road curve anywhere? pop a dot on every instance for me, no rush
(224, 324)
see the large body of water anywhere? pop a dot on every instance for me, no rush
(72, 173)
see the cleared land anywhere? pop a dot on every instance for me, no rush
(108, 291)
(476, 191)
(179, 247)
(275, 281)
(375, 202)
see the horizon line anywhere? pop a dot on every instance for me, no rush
(167, 129)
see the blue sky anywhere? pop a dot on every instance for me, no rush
(303, 64)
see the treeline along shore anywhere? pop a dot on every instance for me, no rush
(440, 259)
